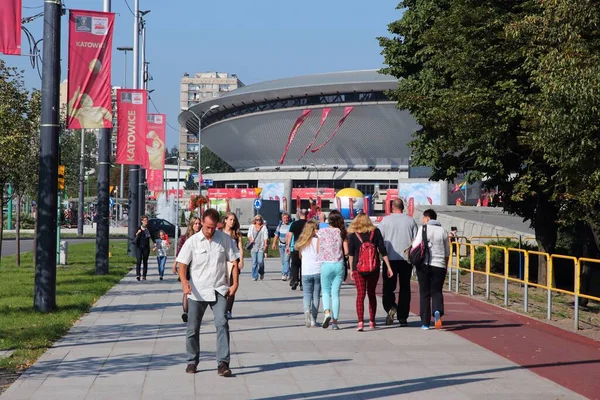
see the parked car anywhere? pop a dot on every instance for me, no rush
(155, 225)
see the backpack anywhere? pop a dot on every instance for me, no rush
(367, 255)
(417, 255)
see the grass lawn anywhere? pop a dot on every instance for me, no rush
(29, 333)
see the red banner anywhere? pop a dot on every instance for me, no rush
(174, 192)
(293, 132)
(351, 207)
(132, 113)
(324, 116)
(156, 126)
(298, 204)
(347, 111)
(367, 205)
(10, 27)
(227, 193)
(411, 207)
(89, 88)
(313, 193)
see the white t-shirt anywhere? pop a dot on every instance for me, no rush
(310, 264)
(207, 261)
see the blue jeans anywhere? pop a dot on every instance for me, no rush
(162, 260)
(285, 260)
(332, 275)
(258, 263)
(196, 311)
(311, 290)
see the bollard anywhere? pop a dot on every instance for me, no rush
(63, 251)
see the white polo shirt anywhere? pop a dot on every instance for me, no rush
(207, 261)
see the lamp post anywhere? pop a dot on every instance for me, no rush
(177, 202)
(124, 49)
(199, 118)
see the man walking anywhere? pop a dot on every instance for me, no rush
(206, 254)
(280, 239)
(294, 233)
(398, 231)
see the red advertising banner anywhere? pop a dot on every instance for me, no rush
(156, 126)
(347, 111)
(227, 193)
(89, 87)
(132, 113)
(298, 204)
(324, 116)
(293, 132)
(10, 27)
(312, 193)
(173, 192)
(367, 205)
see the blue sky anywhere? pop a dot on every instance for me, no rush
(258, 40)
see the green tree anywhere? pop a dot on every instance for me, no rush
(462, 78)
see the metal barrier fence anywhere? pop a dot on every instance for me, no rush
(470, 251)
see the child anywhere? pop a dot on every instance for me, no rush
(308, 248)
(160, 247)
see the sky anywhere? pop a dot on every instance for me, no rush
(259, 40)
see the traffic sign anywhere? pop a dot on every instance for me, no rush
(257, 204)
(208, 182)
(111, 201)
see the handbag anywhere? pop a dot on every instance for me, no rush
(418, 254)
(250, 243)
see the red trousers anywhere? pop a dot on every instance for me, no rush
(366, 285)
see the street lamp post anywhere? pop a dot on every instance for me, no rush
(124, 49)
(199, 118)
(177, 201)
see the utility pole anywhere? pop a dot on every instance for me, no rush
(124, 49)
(81, 185)
(133, 213)
(103, 224)
(142, 172)
(44, 298)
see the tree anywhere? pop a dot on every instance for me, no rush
(171, 156)
(210, 159)
(462, 78)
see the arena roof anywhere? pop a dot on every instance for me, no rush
(252, 124)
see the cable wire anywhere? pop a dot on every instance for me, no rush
(128, 6)
(158, 112)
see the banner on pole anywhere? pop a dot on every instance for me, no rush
(347, 111)
(156, 127)
(89, 87)
(293, 132)
(132, 117)
(10, 27)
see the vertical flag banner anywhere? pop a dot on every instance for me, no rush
(347, 111)
(10, 27)
(89, 87)
(156, 127)
(324, 116)
(132, 115)
(295, 129)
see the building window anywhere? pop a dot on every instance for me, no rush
(224, 88)
(215, 94)
(192, 139)
(215, 86)
(193, 148)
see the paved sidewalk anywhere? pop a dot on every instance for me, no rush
(131, 346)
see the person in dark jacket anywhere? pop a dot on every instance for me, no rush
(142, 245)
(360, 231)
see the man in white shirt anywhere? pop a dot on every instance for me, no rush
(208, 252)
(398, 231)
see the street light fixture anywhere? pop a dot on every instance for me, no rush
(199, 118)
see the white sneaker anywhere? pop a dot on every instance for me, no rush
(228, 316)
(283, 277)
(307, 319)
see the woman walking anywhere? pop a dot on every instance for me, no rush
(308, 247)
(142, 245)
(161, 246)
(231, 226)
(333, 245)
(258, 235)
(193, 228)
(365, 244)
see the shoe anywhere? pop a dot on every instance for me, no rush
(283, 277)
(390, 316)
(190, 369)
(307, 319)
(335, 327)
(403, 322)
(294, 287)
(184, 317)
(161, 278)
(223, 369)
(262, 276)
(137, 277)
(438, 320)
(254, 279)
(425, 327)
(372, 325)
(326, 320)
(360, 327)
(314, 324)
(143, 278)
(300, 286)
(228, 315)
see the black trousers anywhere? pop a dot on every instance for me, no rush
(141, 254)
(431, 283)
(402, 274)
(296, 266)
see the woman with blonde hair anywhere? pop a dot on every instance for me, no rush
(258, 236)
(308, 249)
(194, 226)
(231, 226)
(365, 245)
